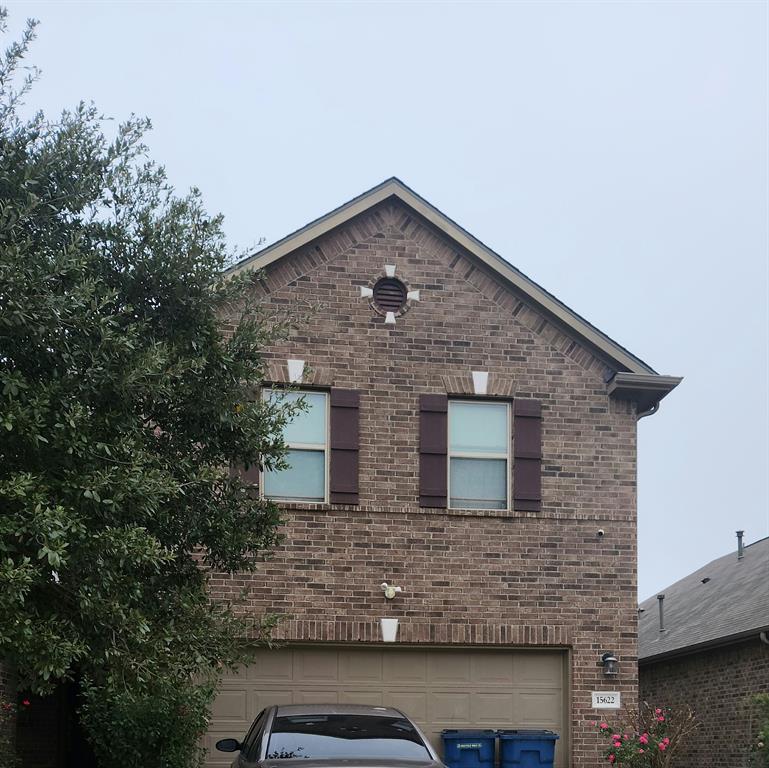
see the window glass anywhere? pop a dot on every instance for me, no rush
(250, 743)
(304, 480)
(308, 426)
(345, 736)
(478, 483)
(305, 436)
(478, 427)
(479, 447)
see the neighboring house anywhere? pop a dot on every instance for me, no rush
(711, 653)
(470, 440)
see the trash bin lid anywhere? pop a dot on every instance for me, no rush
(520, 734)
(452, 733)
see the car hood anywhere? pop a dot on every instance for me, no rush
(352, 762)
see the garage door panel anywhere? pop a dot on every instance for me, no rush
(492, 710)
(414, 703)
(266, 697)
(538, 708)
(312, 696)
(494, 669)
(449, 708)
(409, 667)
(536, 669)
(316, 666)
(277, 666)
(449, 667)
(372, 698)
(360, 667)
(231, 704)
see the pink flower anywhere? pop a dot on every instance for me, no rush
(644, 739)
(658, 711)
(594, 723)
(626, 737)
(617, 744)
(25, 703)
(604, 726)
(661, 719)
(612, 758)
(662, 746)
(640, 751)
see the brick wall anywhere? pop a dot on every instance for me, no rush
(716, 684)
(470, 577)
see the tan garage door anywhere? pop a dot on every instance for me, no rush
(437, 688)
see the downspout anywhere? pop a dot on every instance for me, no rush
(649, 412)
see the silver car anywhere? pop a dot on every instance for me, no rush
(332, 735)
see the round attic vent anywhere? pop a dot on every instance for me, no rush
(389, 294)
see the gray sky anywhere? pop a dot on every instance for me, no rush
(614, 152)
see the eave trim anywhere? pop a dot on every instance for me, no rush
(688, 650)
(643, 389)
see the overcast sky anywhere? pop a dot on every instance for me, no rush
(616, 153)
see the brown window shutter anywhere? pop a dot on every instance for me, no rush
(527, 455)
(433, 449)
(345, 446)
(249, 474)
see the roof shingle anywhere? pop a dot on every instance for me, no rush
(732, 602)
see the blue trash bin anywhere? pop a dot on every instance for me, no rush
(526, 749)
(468, 749)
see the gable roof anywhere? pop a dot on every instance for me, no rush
(621, 358)
(733, 603)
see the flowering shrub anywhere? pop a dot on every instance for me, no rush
(648, 739)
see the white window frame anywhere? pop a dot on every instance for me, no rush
(491, 455)
(325, 447)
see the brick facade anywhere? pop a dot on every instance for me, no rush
(522, 579)
(716, 684)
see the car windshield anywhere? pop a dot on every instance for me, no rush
(344, 736)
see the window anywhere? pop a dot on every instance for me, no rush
(307, 439)
(339, 737)
(479, 454)
(252, 742)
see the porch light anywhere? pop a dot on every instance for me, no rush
(609, 663)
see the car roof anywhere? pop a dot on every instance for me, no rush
(290, 710)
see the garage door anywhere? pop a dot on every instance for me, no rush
(437, 688)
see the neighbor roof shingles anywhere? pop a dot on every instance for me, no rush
(733, 602)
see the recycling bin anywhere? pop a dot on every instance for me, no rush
(526, 749)
(468, 748)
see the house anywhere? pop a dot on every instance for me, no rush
(704, 643)
(471, 441)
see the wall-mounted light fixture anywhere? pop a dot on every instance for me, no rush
(390, 591)
(609, 663)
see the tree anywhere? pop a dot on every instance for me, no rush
(122, 404)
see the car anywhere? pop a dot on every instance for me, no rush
(332, 736)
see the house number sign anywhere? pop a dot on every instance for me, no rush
(606, 700)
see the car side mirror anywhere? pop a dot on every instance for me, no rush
(228, 745)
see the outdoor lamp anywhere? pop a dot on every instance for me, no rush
(609, 663)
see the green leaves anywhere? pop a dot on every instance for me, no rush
(122, 405)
